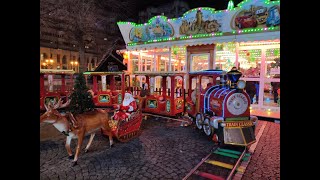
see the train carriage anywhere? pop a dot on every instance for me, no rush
(168, 100)
(107, 88)
(55, 84)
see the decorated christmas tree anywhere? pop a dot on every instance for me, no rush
(81, 99)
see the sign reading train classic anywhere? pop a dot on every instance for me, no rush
(239, 124)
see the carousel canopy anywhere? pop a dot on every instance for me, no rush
(251, 20)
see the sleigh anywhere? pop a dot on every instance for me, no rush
(125, 129)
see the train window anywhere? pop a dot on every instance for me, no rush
(206, 82)
(194, 83)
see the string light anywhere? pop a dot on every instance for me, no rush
(230, 5)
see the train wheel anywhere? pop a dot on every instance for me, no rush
(206, 126)
(199, 121)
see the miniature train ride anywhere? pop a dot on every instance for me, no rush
(215, 100)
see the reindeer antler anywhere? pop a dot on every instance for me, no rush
(59, 104)
(50, 105)
(65, 104)
(46, 106)
(56, 105)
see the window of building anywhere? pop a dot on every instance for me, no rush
(259, 62)
(58, 58)
(250, 62)
(178, 56)
(92, 64)
(199, 62)
(45, 56)
(272, 63)
(225, 56)
(64, 62)
(162, 62)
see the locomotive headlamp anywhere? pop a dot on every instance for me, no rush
(241, 84)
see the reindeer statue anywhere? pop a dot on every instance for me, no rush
(86, 123)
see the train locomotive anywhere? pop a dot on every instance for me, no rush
(222, 110)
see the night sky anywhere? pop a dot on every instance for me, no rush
(217, 4)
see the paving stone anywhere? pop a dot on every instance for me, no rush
(164, 150)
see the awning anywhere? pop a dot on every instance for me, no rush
(212, 40)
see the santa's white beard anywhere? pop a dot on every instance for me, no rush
(126, 102)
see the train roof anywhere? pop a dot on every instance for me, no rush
(56, 71)
(160, 73)
(103, 73)
(207, 72)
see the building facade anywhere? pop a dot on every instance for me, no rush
(52, 58)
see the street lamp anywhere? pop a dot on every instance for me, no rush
(44, 65)
(77, 67)
(75, 64)
(49, 62)
(71, 65)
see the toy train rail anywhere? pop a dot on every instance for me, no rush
(219, 164)
(185, 120)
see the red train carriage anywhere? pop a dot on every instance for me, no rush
(55, 84)
(222, 111)
(165, 100)
(108, 88)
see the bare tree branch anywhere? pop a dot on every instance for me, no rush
(85, 23)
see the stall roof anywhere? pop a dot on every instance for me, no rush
(111, 62)
(275, 35)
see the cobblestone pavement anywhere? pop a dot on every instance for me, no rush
(265, 161)
(164, 150)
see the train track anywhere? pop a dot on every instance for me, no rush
(185, 121)
(220, 164)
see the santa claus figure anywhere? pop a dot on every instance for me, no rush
(128, 105)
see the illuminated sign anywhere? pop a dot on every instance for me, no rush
(239, 124)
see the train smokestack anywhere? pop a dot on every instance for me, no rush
(234, 75)
(223, 80)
